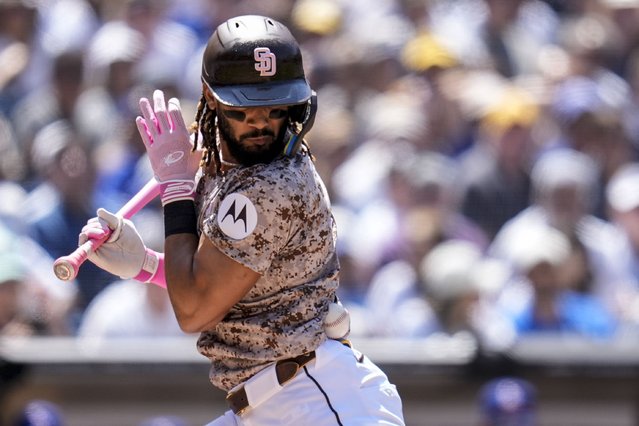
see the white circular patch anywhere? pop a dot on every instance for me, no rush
(237, 216)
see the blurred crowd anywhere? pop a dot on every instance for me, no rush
(481, 157)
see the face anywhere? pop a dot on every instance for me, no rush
(565, 206)
(251, 135)
(543, 277)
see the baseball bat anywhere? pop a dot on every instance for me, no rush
(66, 267)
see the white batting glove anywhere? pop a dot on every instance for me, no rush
(169, 147)
(124, 253)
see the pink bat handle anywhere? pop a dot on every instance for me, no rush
(66, 267)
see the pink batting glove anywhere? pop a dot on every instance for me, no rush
(169, 148)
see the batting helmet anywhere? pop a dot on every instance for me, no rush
(254, 61)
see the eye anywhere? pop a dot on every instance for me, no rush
(274, 114)
(277, 114)
(234, 115)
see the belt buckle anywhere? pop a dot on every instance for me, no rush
(282, 368)
(231, 402)
(289, 374)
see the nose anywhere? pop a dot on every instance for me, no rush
(257, 117)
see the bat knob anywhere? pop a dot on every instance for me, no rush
(63, 270)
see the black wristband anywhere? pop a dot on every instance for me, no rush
(180, 218)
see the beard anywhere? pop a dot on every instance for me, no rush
(253, 155)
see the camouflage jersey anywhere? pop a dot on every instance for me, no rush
(274, 219)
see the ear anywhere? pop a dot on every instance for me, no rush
(210, 99)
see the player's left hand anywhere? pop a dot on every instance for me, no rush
(169, 147)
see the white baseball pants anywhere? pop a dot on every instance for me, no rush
(338, 387)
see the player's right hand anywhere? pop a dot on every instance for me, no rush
(169, 147)
(123, 253)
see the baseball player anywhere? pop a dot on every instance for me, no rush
(250, 256)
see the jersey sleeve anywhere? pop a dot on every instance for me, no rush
(251, 223)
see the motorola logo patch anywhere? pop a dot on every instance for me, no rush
(237, 216)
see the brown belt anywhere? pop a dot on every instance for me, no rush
(285, 370)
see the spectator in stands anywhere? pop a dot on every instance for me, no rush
(417, 200)
(497, 167)
(23, 62)
(63, 201)
(459, 283)
(12, 277)
(105, 113)
(33, 301)
(564, 187)
(52, 102)
(508, 401)
(105, 109)
(12, 172)
(435, 66)
(372, 187)
(39, 412)
(505, 37)
(590, 121)
(622, 196)
(168, 44)
(593, 45)
(540, 254)
(631, 111)
(419, 213)
(425, 196)
(623, 15)
(394, 305)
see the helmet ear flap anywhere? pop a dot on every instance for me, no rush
(301, 118)
(297, 112)
(304, 114)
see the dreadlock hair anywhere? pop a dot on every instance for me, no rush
(205, 124)
(308, 150)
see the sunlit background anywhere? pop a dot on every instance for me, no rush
(482, 161)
